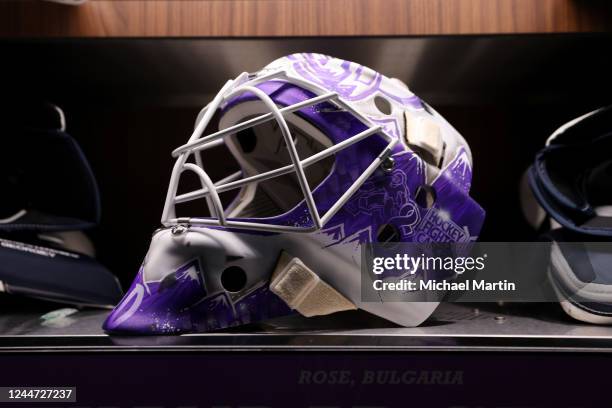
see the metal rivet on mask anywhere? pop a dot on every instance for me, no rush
(388, 164)
(179, 229)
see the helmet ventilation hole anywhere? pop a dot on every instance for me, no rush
(247, 139)
(233, 279)
(425, 196)
(387, 233)
(383, 105)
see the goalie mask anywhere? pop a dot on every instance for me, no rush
(330, 155)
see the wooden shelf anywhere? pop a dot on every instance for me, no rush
(263, 18)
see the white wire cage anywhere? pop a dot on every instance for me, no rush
(210, 190)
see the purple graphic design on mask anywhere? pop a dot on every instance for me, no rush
(460, 171)
(220, 310)
(391, 199)
(353, 82)
(179, 304)
(159, 306)
(384, 197)
(455, 216)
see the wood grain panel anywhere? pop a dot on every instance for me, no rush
(255, 18)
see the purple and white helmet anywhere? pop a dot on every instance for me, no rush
(331, 155)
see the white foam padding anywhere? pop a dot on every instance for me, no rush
(303, 290)
(424, 133)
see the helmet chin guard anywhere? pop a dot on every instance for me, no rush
(358, 155)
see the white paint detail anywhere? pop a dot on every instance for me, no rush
(138, 294)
